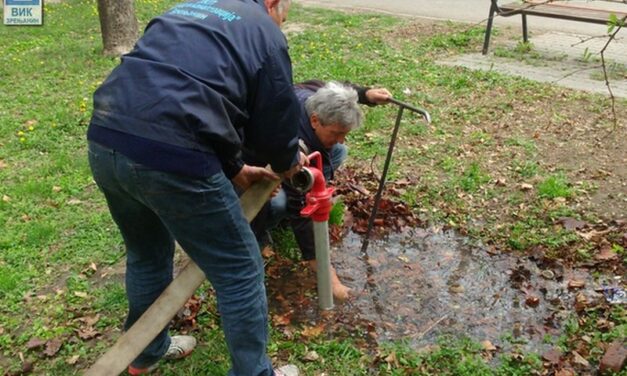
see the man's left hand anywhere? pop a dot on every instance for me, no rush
(250, 174)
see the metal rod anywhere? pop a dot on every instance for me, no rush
(422, 112)
(386, 166)
(323, 262)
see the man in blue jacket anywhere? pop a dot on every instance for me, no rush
(164, 147)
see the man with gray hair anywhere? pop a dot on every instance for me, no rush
(207, 78)
(331, 111)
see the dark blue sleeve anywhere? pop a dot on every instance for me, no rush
(273, 130)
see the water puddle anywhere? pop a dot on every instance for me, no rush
(421, 284)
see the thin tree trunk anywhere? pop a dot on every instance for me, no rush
(118, 25)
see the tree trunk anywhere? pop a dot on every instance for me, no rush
(118, 25)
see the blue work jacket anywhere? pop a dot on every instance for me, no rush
(204, 77)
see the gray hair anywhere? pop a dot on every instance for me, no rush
(283, 4)
(336, 104)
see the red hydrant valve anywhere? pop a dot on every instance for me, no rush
(318, 205)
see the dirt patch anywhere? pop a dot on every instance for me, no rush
(291, 28)
(574, 138)
(417, 30)
(593, 153)
(569, 133)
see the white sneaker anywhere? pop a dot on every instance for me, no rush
(180, 347)
(287, 370)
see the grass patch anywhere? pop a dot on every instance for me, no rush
(472, 178)
(555, 186)
(525, 52)
(615, 72)
(55, 223)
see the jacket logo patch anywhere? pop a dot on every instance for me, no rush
(202, 9)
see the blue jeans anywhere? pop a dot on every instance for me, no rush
(153, 209)
(278, 204)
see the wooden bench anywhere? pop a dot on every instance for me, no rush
(547, 8)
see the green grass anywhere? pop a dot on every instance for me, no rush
(472, 178)
(336, 216)
(555, 186)
(525, 52)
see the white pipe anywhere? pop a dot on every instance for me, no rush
(323, 262)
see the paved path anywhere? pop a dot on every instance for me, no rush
(570, 63)
(561, 40)
(465, 11)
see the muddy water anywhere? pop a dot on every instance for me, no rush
(421, 284)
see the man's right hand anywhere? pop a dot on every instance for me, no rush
(302, 161)
(378, 96)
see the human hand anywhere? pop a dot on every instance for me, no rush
(250, 174)
(275, 191)
(378, 96)
(302, 161)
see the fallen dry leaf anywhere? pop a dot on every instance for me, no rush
(526, 187)
(581, 302)
(456, 288)
(52, 347)
(88, 333)
(579, 360)
(35, 343)
(282, 320)
(606, 254)
(552, 355)
(313, 331)
(359, 188)
(72, 360)
(311, 356)
(81, 294)
(90, 320)
(593, 235)
(392, 360)
(3, 164)
(27, 367)
(532, 301)
(565, 372)
(488, 346)
(571, 223)
(576, 283)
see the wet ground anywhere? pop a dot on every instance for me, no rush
(420, 284)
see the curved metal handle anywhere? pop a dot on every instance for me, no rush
(421, 111)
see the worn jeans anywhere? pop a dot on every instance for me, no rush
(153, 209)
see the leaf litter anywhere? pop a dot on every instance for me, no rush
(419, 282)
